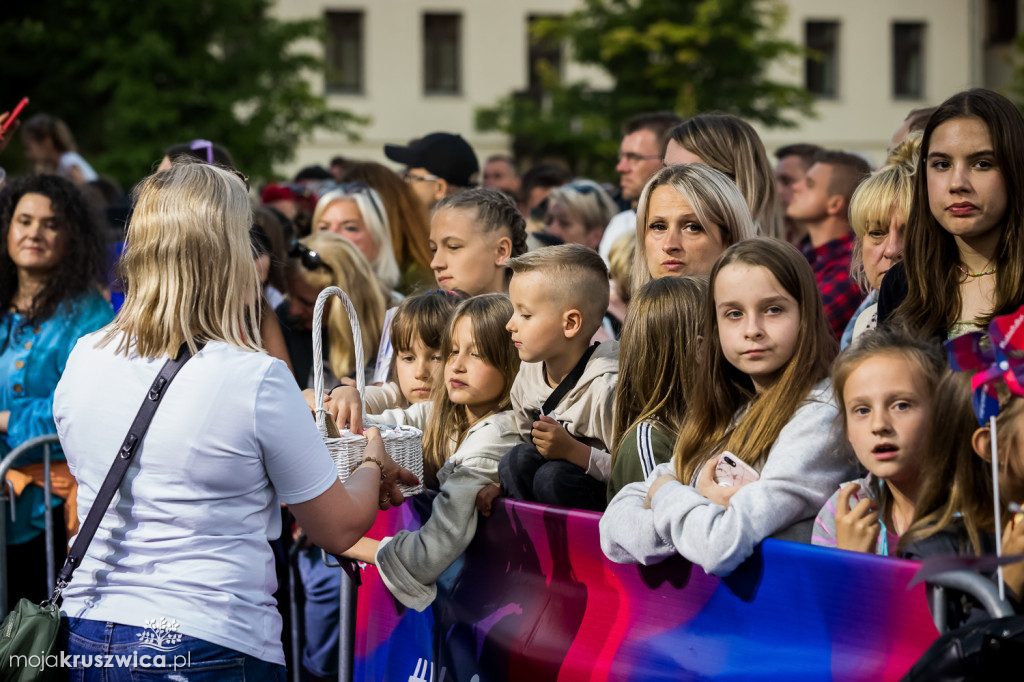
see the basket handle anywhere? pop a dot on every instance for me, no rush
(318, 355)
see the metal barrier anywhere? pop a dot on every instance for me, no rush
(293, 608)
(44, 442)
(349, 593)
(979, 587)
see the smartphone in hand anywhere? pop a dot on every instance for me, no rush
(14, 115)
(734, 472)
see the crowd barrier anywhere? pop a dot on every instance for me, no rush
(534, 599)
(11, 460)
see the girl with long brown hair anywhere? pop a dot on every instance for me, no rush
(657, 354)
(964, 256)
(762, 398)
(468, 427)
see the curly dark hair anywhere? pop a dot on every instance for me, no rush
(81, 264)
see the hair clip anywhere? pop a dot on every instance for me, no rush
(197, 145)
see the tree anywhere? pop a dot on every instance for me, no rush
(130, 79)
(689, 56)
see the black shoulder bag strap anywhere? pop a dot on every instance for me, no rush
(119, 468)
(570, 381)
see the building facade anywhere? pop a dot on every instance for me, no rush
(419, 66)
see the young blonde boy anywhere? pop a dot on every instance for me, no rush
(559, 296)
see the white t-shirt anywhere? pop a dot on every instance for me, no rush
(186, 537)
(69, 160)
(620, 224)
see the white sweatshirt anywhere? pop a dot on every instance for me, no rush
(803, 468)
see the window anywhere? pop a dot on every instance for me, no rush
(344, 68)
(822, 67)
(908, 60)
(442, 54)
(1000, 22)
(543, 54)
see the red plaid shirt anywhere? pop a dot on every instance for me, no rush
(840, 295)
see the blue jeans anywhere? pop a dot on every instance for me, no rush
(129, 660)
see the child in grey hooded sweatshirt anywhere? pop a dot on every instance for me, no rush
(762, 394)
(468, 427)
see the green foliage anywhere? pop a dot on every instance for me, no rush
(1014, 90)
(569, 124)
(130, 79)
(689, 56)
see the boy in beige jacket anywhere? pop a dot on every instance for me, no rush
(564, 395)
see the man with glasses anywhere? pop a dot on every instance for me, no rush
(640, 155)
(437, 165)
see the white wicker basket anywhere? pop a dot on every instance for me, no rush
(403, 443)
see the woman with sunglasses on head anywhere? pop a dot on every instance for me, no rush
(232, 438)
(410, 224)
(355, 211)
(579, 212)
(316, 262)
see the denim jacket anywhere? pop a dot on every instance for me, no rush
(32, 358)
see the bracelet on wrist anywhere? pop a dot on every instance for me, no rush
(372, 460)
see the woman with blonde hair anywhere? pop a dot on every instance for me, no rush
(355, 211)
(232, 438)
(878, 213)
(579, 212)
(729, 144)
(687, 216)
(410, 224)
(319, 261)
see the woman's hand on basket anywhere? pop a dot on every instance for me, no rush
(346, 407)
(393, 474)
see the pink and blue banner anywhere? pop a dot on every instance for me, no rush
(534, 599)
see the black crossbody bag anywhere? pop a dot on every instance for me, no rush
(30, 630)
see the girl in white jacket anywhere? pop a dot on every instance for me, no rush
(468, 426)
(762, 394)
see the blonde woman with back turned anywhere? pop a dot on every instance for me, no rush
(186, 538)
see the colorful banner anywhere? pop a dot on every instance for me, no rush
(534, 599)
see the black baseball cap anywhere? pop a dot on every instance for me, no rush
(445, 155)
